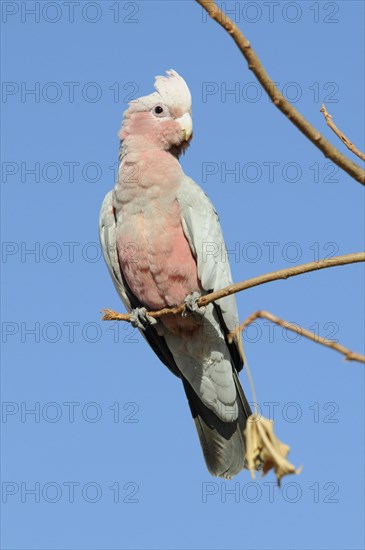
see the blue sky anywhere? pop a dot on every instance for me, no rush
(110, 451)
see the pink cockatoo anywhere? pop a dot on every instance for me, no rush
(157, 231)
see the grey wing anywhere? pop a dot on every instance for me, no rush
(203, 231)
(108, 237)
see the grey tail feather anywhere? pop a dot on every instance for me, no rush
(223, 443)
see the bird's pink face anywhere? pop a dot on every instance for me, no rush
(161, 120)
(162, 127)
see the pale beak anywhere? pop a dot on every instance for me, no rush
(186, 124)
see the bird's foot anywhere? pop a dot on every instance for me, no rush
(191, 305)
(140, 319)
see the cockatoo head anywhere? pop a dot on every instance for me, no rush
(161, 120)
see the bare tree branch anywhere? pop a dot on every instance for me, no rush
(110, 315)
(339, 134)
(349, 355)
(278, 99)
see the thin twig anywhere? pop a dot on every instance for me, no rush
(349, 355)
(110, 315)
(278, 99)
(339, 134)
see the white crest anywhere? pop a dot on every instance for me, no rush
(174, 90)
(171, 89)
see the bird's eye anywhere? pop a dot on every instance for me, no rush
(158, 109)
